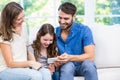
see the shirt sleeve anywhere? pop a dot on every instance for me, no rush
(30, 49)
(88, 37)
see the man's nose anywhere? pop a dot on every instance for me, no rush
(62, 21)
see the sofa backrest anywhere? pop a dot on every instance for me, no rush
(107, 45)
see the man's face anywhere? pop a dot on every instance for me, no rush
(65, 20)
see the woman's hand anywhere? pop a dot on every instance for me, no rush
(35, 65)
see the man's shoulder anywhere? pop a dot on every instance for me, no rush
(58, 27)
(57, 30)
(80, 26)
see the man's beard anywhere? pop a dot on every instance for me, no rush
(69, 25)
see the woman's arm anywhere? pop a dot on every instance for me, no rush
(8, 57)
(31, 57)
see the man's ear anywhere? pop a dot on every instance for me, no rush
(74, 16)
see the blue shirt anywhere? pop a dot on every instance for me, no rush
(79, 37)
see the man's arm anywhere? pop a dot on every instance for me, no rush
(88, 55)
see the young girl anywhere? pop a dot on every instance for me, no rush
(44, 47)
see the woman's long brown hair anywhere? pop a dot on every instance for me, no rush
(9, 13)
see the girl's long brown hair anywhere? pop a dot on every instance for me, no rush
(52, 48)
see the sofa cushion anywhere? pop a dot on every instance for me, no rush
(107, 42)
(105, 74)
(109, 74)
(79, 78)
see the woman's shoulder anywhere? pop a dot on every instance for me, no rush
(3, 41)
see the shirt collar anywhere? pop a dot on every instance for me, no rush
(73, 29)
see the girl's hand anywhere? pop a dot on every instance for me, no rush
(51, 68)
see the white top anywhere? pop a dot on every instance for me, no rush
(18, 47)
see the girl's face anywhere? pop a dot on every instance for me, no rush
(46, 40)
(19, 20)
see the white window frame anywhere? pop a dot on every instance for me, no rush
(89, 16)
(90, 12)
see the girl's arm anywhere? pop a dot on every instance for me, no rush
(31, 56)
(51, 67)
(30, 52)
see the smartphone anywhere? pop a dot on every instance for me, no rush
(51, 60)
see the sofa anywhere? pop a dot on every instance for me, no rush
(107, 52)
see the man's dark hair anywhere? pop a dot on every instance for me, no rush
(68, 8)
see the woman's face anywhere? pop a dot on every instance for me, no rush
(46, 40)
(19, 20)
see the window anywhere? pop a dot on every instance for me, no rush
(37, 12)
(4, 2)
(89, 12)
(107, 12)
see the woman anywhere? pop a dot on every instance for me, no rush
(13, 47)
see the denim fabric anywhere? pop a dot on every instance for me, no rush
(20, 74)
(46, 74)
(79, 37)
(56, 75)
(86, 69)
(67, 71)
